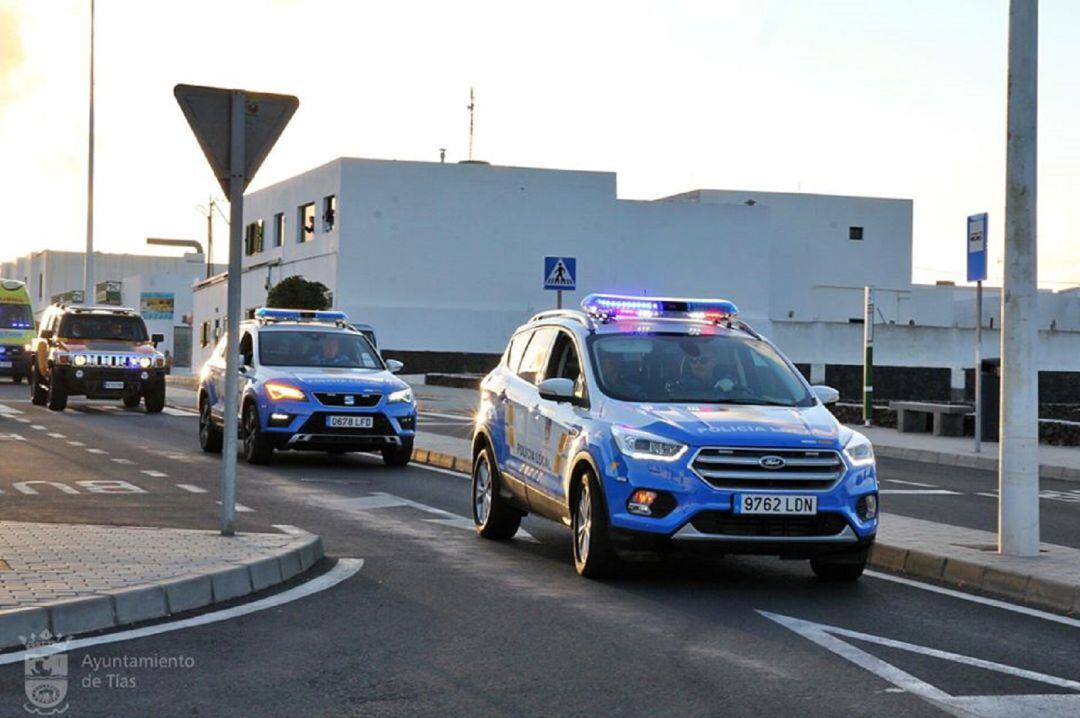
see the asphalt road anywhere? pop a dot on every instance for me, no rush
(439, 622)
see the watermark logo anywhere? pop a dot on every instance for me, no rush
(45, 671)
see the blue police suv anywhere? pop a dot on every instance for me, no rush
(651, 425)
(309, 381)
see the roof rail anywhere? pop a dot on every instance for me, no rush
(560, 314)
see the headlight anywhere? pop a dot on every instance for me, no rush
(859, 451)
(278, 391)
(400, 396)
(145, 362)
(643, 445)
(79, 360)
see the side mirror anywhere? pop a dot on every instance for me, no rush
(394, 365)
(46, 334)
(156, 339)
(559, 390)
(826, 394)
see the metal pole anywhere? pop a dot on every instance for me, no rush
(232, 344)
(558, 299)
(868, 356)
(210, 239)
(978, 366)
(1018, 465)
(88, 260)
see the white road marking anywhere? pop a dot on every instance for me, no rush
(993, 705)
(172, 411)
(5, 409)
(290, 529)
(125, 462)
(54, 435)
(155, 474)
(920, 492)
(345, 568)
(76, 443)
(993, 602)
(465, 418)
(441, 470)
(987, 494)
(192, 488)
(240, 508)
(911, 483)
(381, 500)
(38, 427)
(21, 420)
(11, 437)
(96, 451)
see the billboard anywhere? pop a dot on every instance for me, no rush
(157, 305)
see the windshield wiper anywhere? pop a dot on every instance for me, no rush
(751, 402)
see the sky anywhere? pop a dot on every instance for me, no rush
(857, 97)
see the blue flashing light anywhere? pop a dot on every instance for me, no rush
(269, 314)
(615, 306)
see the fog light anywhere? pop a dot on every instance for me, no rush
(144, 376)
(78, 373)
(641, 502)
(867, 507)
(278, 418)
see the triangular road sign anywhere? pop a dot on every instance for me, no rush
(208, 109)
(1063, 705)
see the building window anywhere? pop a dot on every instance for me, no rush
(329, 212)
(204, 334)
(854, 233)
(253, 238)
(279, 229)
(305, 222)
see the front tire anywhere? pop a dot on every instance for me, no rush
(255, 447)
(398, 455)
(493, 515)
(131, 400)
(39, 395)
(58, 393)
(848, 568)
(594, 556)
(210, 437)
(154, 398)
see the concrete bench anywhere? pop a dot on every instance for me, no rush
(947, 419)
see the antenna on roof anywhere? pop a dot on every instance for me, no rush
(472, 118)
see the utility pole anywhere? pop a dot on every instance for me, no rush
(88, 260)
(868, 356)
(472, 118)
(210, 238)
(1018, 465)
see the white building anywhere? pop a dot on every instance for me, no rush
(445, 260)
(158, 287)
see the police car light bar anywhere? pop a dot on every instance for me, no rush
(268, 314)
(607, 307)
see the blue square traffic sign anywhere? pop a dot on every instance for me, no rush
(560, 273)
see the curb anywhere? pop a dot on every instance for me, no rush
(1014, 586)
(1007, 585)
(1047, 471)
(134, 604)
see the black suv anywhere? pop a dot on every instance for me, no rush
(99, 352)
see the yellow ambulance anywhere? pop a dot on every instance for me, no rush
(16, 329)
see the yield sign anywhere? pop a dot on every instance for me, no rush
(207, 110)
(1052, 705)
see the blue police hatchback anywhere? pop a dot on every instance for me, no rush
(309, 382)
(650, 424)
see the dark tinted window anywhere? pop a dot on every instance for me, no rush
(564, 363)
(103, 326)
(317, 348)
(515, 349)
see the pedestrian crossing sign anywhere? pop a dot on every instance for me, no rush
(560, 273)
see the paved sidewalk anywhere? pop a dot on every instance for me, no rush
(78, 578)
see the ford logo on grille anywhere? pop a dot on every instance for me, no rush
(771, 462)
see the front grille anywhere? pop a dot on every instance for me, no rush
(343, 399)
(728, 524)
(110, 359)
(746, 468)
(11, 352)
(316, 424)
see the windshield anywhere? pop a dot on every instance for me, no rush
(103, 326)
(314, 348)
(16, 316)
(717, 369)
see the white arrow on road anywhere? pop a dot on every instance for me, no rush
(1000, 706)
